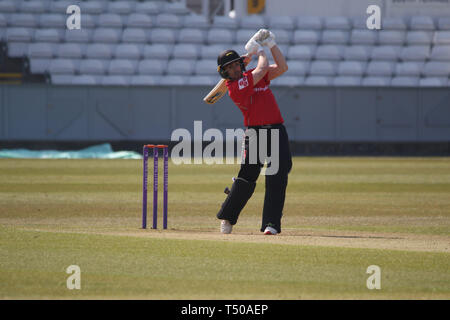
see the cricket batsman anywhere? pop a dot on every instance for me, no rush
(250, 91)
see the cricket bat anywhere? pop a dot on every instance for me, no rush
(217, 92)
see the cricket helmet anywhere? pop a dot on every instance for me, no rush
(225, 58)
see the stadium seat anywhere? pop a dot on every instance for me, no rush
(185, 51)
(61, 79)
(139, 20)
(301, 52)
(116, 80)
(53, 20)
(386, 53)
(392, 37)
(366, 37)
(376, 81)
(323, 68)
(306, 37)
(196, 21)
(318, 81)
(39, 66)
(337, 23)
(415, 53)
(281, 22)
(393, 23)
(121, 7)
(288, 81)
(380, 68)
(135, 35)
(168, 20)
(330, 52)
(436, 69)
(444, 23)
(162, 35)
(222, 36)
(93, 7)
(17, 49)
(282, 36)
(178, 8)
(335, 37)
(183, 67)
(422, 23)
(357, 52)
(298, 68)
(41, 50)
(93, 67)
(410, 69)
(61, 6)
(191, 36)
(48, 35)
(128, 51)
(419, 37)
(225, 22)
(347, 81)
(109, 20)
(63, 66)
(99, 51)
(253, 21)
(158, 51)
(3, 21)
(88, 21)
(433, 82)
(144, 80)
(359, 23)
(106, 35)
(25, 20)
(405, 81)
(81, 35)
(173, 80)
(71, 50)
(148, 7)
(206, 67)
(202, 80)
(441, 37)
(33, 6)
(122, 67)
(351, 68)
(309, 23)
(440, 53)
(9, 6)
(19, 34)
(243, 35)
(152, 67)
(211, 51)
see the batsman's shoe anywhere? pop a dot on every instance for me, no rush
(270, 231)
(226, 227)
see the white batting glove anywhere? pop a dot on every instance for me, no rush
(261, 35)
(253, 47)
(269, 41)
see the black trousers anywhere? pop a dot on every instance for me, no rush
(276, 180)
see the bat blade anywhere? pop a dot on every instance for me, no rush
(216, 93)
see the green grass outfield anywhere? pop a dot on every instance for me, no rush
(341, 216)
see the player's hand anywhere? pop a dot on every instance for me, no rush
(247, 58)
(269, 39)
(253, 47)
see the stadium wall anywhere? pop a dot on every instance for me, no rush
(321, 120)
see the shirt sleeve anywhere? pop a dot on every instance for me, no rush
(242, 89)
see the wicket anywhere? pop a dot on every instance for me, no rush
(155, 184)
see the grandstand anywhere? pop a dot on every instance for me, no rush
(166, 43)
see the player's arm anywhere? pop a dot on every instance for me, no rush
(280, 66)
(261, 68)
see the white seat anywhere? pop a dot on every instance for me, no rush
(109, 20)
(287, 81)
(298, 68)
(158, 51)
(202, 80)
(61, 79)
(196, 21)
(211, 51)
(3, 21)
(173, 80)
(121, 7)
(410, 69)
(63, 66)
(191, 35)
(393, 37)
(347, 81)
(309, 23)
(380, 68)
(329, 52)
(376, 81)
(122, 67)
(243, 35)
(61, 6)
(94, 66)
(88, 21)
(318, 81)
(422, 23)
(158, 35)
(419, 37)
(135, 35)
(405, 81)
(168, 20)
(180, 67)
(357, 52)
(301, 52)
(80, 36)
(283, 36)
(116, 80)
(185, 51)
(367, 37)
(225, 22)
(53, 20)
(253, 21)
(26, 20)
(323, 68)
(99, 51)
(19, 34)
(152, 67)
(206, 67)
(351, 68)
(433, 82)
(128, 51)
(106, 35)
(337, 23)
(17, 49)
(86, 79)
(178, 8)
(436, 69)
(9, 6)
(281, 22)
(144, 80)
(39, 66)
(48, 35)
(222, 36)
(335, 37)
(444, 23)
(440, 53)
(41, 50)
(359, 23)
(93, 7)
(393, 23)
(441, 37)
(148, 7)
(415, 53)
(386, 53)
(139, 20)
(306, 37)
(71, 50)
